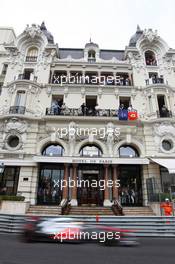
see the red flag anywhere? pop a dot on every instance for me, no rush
(132, 116)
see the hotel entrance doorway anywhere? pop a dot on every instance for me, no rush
(130, 192)
(89, 191)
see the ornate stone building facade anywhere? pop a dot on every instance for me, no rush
(61, 119)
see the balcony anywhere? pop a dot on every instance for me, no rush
(25, 77)
(164, 114)
(31, 59)
(119, 114)
(157, 80)
(79, 112)
(17, 110)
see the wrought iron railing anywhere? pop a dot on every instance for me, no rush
(31, 59)
(26, 77)
(152, 81)
(17, 110)
(80, 112)
(162, 114)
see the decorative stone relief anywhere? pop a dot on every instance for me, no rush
(136, 60)
(110, 138)
(5, 108)
(72, 137)
(150, 35)
(30, 89)
(33, 31)
(83, 92)
(39, 110)
(16, 125)
(100, 92)
(165, 130)
(66, 91)
(12, 89)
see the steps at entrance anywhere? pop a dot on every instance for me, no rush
(138, 211)
(90, 210)
(44, 210)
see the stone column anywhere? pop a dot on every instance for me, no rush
(74, 186)
(115, 178)
(83, 77)
(65, 186)
(106, 202)
(131, 79)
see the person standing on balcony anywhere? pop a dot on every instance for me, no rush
(121, 107)
(164, 111)
(63, 108)
(130, 108)
(83, 109)
(55, 108)
(97, 110)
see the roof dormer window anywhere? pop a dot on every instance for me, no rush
(91, 56)
(150, 58)
(32, 54)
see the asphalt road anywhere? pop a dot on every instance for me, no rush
(150, 251)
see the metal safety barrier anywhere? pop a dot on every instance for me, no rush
(142, 226)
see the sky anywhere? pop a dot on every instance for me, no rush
(109, 23)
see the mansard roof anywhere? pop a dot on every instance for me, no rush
(109, 54)
(79, 53)
(135, 37)
(48, 35)
(74, 53)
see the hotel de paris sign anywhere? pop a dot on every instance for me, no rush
(82, 160)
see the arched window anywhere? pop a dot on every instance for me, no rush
(53, 150)
(32, 54)
(127, 151)
(91, 56)
(150, 58)
(90, 151)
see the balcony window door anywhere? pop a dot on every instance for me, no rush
(20, 98)
(91, 103)
(125, 101)
(28, 74)
(32, 54)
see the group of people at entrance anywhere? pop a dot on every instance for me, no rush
(128, 196)
(48, 193)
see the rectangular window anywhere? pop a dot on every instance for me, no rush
(49, 186)
(126, 101)
(58, 99)
(91, 102)
(29, 74)
(150, 104)
(155, 78)
(167, 180)
(20, 98)
(9, 181)
(4, 69)
(161, 101)
(1, 84)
